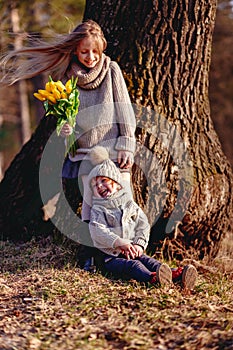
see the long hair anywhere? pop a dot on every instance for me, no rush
(54, 58)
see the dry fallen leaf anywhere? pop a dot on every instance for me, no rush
(34, 343)
(50, 208)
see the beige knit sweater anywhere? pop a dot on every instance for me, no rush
(106, 116)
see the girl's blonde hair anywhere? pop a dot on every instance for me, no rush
(54, 58)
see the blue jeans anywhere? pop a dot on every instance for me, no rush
(139, 269)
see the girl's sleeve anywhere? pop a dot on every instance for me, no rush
(125, 116)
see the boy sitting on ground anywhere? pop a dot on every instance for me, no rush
(120, 229)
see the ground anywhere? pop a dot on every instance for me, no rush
(47, 302)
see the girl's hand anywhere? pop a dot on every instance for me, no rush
(66, 130)
(125, 159)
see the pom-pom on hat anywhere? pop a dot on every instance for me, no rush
(104, 166)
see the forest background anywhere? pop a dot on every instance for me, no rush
(46, 301)
(58, 16)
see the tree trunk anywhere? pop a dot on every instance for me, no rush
(182, 179)
(21, 214)
(22, 86)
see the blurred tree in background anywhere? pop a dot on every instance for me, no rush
(221, 77)
(41, 19)
(42, 16)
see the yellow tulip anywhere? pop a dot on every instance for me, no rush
(68, 86)
(48, 86)
(39, 97)
(61, 87)
(49, 95)
(44, 93)
(51, 98)
(64, 95)
(56, 93)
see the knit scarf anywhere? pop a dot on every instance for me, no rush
(115, 201)
(91, 79)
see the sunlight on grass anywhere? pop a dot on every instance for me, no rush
(47, 302)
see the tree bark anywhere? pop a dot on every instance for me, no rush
(21, 214)
(164, 50)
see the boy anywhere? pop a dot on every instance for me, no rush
(120, 229)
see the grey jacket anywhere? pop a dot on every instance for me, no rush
(118, 216)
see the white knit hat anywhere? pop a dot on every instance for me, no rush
(99, 156)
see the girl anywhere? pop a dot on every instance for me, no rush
(105, 115)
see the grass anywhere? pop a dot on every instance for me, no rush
(46, 302)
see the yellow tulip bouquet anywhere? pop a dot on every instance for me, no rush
(63, 102)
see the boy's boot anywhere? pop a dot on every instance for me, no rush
(163, 275)
(186, 276)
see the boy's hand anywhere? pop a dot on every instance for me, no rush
(139, 250)
(125, 159)
(131, 251)
(128, 250)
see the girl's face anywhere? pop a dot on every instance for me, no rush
(104, 187)
(88, 52)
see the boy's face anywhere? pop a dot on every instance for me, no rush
(104, 187)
